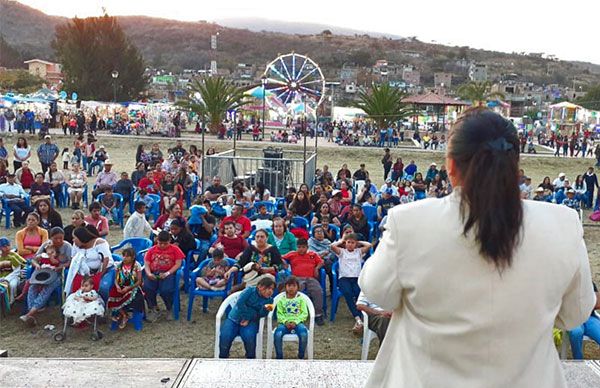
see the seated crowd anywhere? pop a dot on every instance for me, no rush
(234, 239)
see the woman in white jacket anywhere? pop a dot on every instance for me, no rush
(480, 314)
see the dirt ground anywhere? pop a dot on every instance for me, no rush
(196, 338)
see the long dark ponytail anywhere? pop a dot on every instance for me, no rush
(485, 149)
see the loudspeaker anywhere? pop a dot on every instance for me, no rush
(272, 153)
(274, 180)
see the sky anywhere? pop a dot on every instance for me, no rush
(566, 29)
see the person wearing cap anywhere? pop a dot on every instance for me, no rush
(559, 182)
(387, 201)
(15, 198)
(571, 201)
(106, 178)
(539, 195)
(100, 157)
(11, 264)
(389, 184)
(47, 153)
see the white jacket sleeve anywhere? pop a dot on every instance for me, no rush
(579, 299)
(379, 278)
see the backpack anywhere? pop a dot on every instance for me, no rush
(595, 216)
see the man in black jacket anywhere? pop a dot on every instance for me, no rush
(591, 181)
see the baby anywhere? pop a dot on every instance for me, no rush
(83, 304)
(213, 274)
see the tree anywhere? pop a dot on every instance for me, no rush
(478, 92)
(90, 50)
(19, 81)
(384, 105)
(591, 100)
(211, 98)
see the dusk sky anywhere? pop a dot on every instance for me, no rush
(565, 29)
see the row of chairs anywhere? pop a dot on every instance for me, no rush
(232, 300)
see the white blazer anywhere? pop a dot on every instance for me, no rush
(457, 321)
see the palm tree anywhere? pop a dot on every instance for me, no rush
(478, 92)
(384, 105)
(211, 98)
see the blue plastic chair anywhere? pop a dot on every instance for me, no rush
(332, 226)
(270, 206)
(84, 197)
(192, 192)
(178, 276)
(370, 212)
(139, 244)
(154, 211)
(120, 208)
(280, 209)
(7, 210)
(336, 294)
(194, 291)
(300, 222)
(137, 319)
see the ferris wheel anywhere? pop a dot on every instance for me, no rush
(292, 76)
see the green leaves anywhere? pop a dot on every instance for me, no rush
(478, 92)
(216, 97)
(89, 50)
(384, 105)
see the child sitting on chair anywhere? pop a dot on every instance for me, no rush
(126, 294)
(252, 304)
(83, 304)
(213, 274)
(291, 314)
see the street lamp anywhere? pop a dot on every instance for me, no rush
(263, 81)
(114, 74)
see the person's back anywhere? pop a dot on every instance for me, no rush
(470, 322)
(478, 310)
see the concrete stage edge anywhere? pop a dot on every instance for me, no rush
(176, 372)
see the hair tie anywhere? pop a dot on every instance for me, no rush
(499, 144)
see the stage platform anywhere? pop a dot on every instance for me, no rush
(188, 373)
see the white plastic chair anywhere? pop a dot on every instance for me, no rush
(229, 302)
(358, 185)
(368, 336)
(292, 337)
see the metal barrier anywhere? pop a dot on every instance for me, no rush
(248, 164)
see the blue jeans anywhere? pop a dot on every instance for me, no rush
(301, 331)
(420, 195)
(230, 330)
(37, 296)
(350, 290)
(591, 328)
(95, 163)
(589, 197)
(106, 283)
(559, 196)
(166, 287)
(114, 213)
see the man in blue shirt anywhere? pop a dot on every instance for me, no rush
(47, 153)
(252, 304)
(387, 201)
(14, 195)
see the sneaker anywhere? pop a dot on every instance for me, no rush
(358, 327)
(319, 320)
